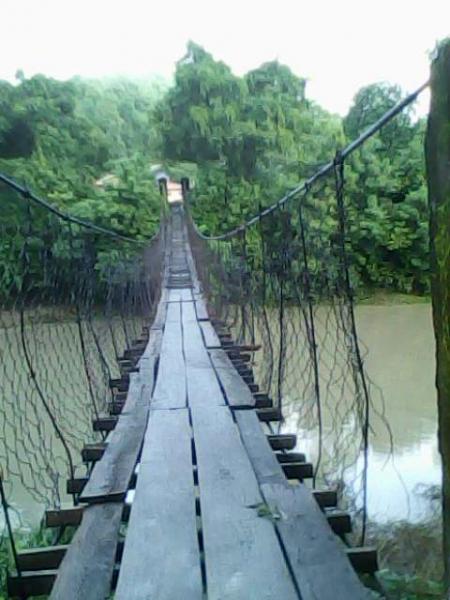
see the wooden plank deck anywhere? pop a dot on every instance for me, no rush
(213, 516)
(161, 557)
(210, 336)
(237, 392)
(243, 557)
(111, 475)
(170, 390)
(321, 568)
(87, 568)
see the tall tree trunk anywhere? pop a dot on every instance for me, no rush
(438, 170)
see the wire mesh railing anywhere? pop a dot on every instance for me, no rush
(73, 298)
(285, 279)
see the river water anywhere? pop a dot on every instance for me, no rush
(400, 360)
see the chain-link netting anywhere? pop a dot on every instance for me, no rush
(285, 283)
(72, 300)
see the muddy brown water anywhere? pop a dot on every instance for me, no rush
(401, 361)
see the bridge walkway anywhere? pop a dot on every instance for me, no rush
(213, 514)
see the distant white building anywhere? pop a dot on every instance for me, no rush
(174, 192)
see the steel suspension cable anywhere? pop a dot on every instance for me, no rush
(29, 195)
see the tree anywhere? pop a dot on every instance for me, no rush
(438, 157)
(201, 112)
(369, 104)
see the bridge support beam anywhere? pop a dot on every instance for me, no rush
(438, 172)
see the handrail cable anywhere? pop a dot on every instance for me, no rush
(26, 193)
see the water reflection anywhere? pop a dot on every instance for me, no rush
(400, 359)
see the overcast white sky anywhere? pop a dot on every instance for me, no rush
(338, 45)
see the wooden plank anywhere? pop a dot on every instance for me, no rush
(263, 459)
(147, 370)
(290, 457)
(61, 517)
(153, 346)
(298, 470)
(173, 314)
(200, 308)
(188, 312)
(111, 476)
(269, 414)
(38, 559)
(195, 352)
(202, 387)
(86, 570)
(170, 390)
(30, 583)
(325, 498)
(209, 335)
(202, 384)
(321, 567)
(282, 441)
(339, 521)
(242, 553)
(236, 391)
(93, 452)
(160, 316)
(318, 562)
(161, 557)
(104, 423)
(181, 295)
(262, 400)
(363, 559)
(76, 485)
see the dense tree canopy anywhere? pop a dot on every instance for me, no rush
(255, 137)
(248, 139)
(62, 137)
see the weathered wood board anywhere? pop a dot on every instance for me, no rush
(173, 313)
(111, 475)
(161, 556)
(87, 567)
(188, 312)
(319, 563)
(242, 553)
(160, 317)
(180, 295)
(237, 392)
(195, 352)
(202, 387)
(209, 335)
(200, 307)
(170, 389)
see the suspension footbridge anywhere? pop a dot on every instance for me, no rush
(152, 393)
(214, 511)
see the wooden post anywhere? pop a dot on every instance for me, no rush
(438, 172)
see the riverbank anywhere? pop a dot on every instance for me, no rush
(410, 554)
(387, 298)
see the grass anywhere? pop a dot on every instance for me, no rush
(410, 554)
(410, 587)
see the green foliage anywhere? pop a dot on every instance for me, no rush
(253, 138)
(410, 587)
(36, 538)
(87, 147)
(62, 137)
